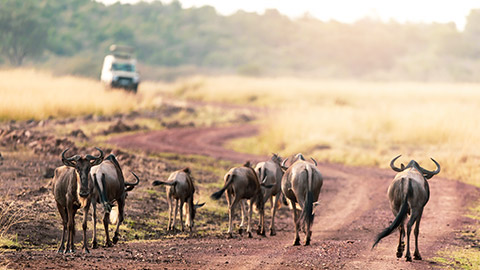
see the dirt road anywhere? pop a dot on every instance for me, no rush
(353, 209)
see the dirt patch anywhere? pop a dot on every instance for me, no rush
(353, 207)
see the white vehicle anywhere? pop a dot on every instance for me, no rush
(120, 69)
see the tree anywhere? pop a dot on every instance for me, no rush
(23, 30)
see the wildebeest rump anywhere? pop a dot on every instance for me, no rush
(408, 194)
(271, 172)
(180, 189)
(111, 188)
(72, 189)
(301, 184)
(242, 183)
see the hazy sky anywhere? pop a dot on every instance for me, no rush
(349, 10)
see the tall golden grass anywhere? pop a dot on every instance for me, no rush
(359, 123)
(355, 123)
(29, 94)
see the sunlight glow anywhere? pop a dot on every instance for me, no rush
(348, 10)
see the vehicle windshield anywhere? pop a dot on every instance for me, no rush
(123, 67)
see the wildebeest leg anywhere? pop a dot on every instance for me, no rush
(244, 210)
(297, 226)
(231, 216)
(106, 220)
(274, 209)
(417, 255)
(262, 219)
(249, 222)
(170, 214)
(121, 207)
(181, 214)
(63, 213)
(71, 227)
(412, 220)
(308, 233)
(84, 227)
(175, 215)
(94, 220)
(401, 243)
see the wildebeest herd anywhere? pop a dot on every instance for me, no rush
(88, 180)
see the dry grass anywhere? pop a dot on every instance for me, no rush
(355, 123)
(29, 94)
(359, 123)
(10, 215)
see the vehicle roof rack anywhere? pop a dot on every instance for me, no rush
(121, 51)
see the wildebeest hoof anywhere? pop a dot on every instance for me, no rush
(399, 254)
(229, 235)
(307, 242)
(108, 244)
(115, 239)
(417, 257)
(272, 233)
(94, 244)
(240, 231)
(249, 234)
(86, 251)
(296, 242)
(408, 258)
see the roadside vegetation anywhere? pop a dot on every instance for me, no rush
(357, 123)
(349, 122)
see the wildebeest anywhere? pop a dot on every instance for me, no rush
(180, 189)
(110, 188)
(72, 189)
(242, 183)
(272, 173)
(408, 194)
(301, 184)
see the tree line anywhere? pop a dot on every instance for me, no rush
(76, 34)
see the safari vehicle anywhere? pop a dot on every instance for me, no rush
(120, 69)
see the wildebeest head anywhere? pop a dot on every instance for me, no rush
(82, 166)
(413, 164)
(297, 157)
(276, 158)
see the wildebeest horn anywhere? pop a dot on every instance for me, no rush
(392, 165)
(314, 161)
(264, 180)
(71, 161)
(283, 164)
(130, 186)
(430, 174)
(198, 205)
(96, 160)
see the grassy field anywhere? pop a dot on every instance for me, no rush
(355, 123)
(358, 123)
(28, 94)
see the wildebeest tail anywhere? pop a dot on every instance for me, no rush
(219, 193)
(160, 182)
(400, 216)
(307, 212)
